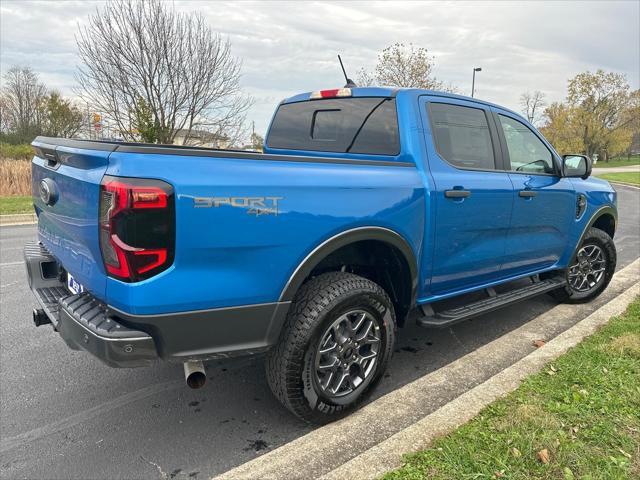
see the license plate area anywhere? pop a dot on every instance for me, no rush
(74, 286)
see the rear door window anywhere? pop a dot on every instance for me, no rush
(367, 125)
(462, 136)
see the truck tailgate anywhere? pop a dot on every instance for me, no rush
(66, 192)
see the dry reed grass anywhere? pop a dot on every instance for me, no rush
(15, 177)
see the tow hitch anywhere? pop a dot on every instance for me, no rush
(40, 317)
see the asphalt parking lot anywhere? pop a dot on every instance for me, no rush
(65, 415)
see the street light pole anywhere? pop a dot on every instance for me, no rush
(473, 82)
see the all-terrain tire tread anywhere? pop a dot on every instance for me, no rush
(285, 361)
(565, 295)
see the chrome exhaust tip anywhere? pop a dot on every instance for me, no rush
(194, 374)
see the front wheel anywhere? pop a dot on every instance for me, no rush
(591, 269)
(334, 347)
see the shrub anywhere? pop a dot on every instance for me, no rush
(22, 151)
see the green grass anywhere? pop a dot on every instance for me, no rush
(618, 162)
(12, 205)
(584, 408)
(626, 177)
(22, 151)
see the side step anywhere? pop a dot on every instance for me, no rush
(494, 301)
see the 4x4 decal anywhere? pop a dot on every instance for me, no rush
(254, 205)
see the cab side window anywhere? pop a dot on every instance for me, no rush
(527, 153)
(462, 136)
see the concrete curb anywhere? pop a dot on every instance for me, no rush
(18, 219)
(622, 169)
(388, 455)
(325, 450)
(623, 184)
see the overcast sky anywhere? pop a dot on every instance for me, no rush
(291, 47)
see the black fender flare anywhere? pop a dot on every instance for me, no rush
(345, 238)
(606, 210)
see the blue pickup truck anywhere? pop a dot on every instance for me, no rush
(369, 208)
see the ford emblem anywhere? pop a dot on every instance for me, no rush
(48, 191)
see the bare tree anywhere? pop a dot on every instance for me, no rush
(183, 71)
(23, 98)
(403, 66)
(533, 106)
(5, 119)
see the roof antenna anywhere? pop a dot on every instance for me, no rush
(350, 83)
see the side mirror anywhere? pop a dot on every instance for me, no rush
(577, 166)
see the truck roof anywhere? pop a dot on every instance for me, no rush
(393, 91)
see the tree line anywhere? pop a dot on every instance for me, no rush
(599, 116)
(153, 74)
(28, 109)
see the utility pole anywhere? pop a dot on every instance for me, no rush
(473, 82)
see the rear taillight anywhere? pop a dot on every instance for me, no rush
(137, 227)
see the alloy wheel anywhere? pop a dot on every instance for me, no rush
(588, 270)
(347, 353)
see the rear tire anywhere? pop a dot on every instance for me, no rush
(591, 268)
(336, 343)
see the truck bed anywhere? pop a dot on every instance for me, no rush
(243, 209)
(50, 144)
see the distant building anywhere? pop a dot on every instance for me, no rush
(201, 138)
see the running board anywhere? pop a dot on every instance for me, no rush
(494, 301)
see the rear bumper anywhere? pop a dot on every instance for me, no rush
(84, 324)
(83, 321)
(121, 339)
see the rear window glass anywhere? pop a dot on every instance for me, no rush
(366, 125)
(462, 136)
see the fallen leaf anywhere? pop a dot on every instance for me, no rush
(498, 474)
(550, 372)
(515, 452)
(572, 433)
(538, 343)
(553, 368)
(543, 456)
(556, 443)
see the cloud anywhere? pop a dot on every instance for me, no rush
(289, 47)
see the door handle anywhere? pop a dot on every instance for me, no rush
(457, 193)
(527, 193)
